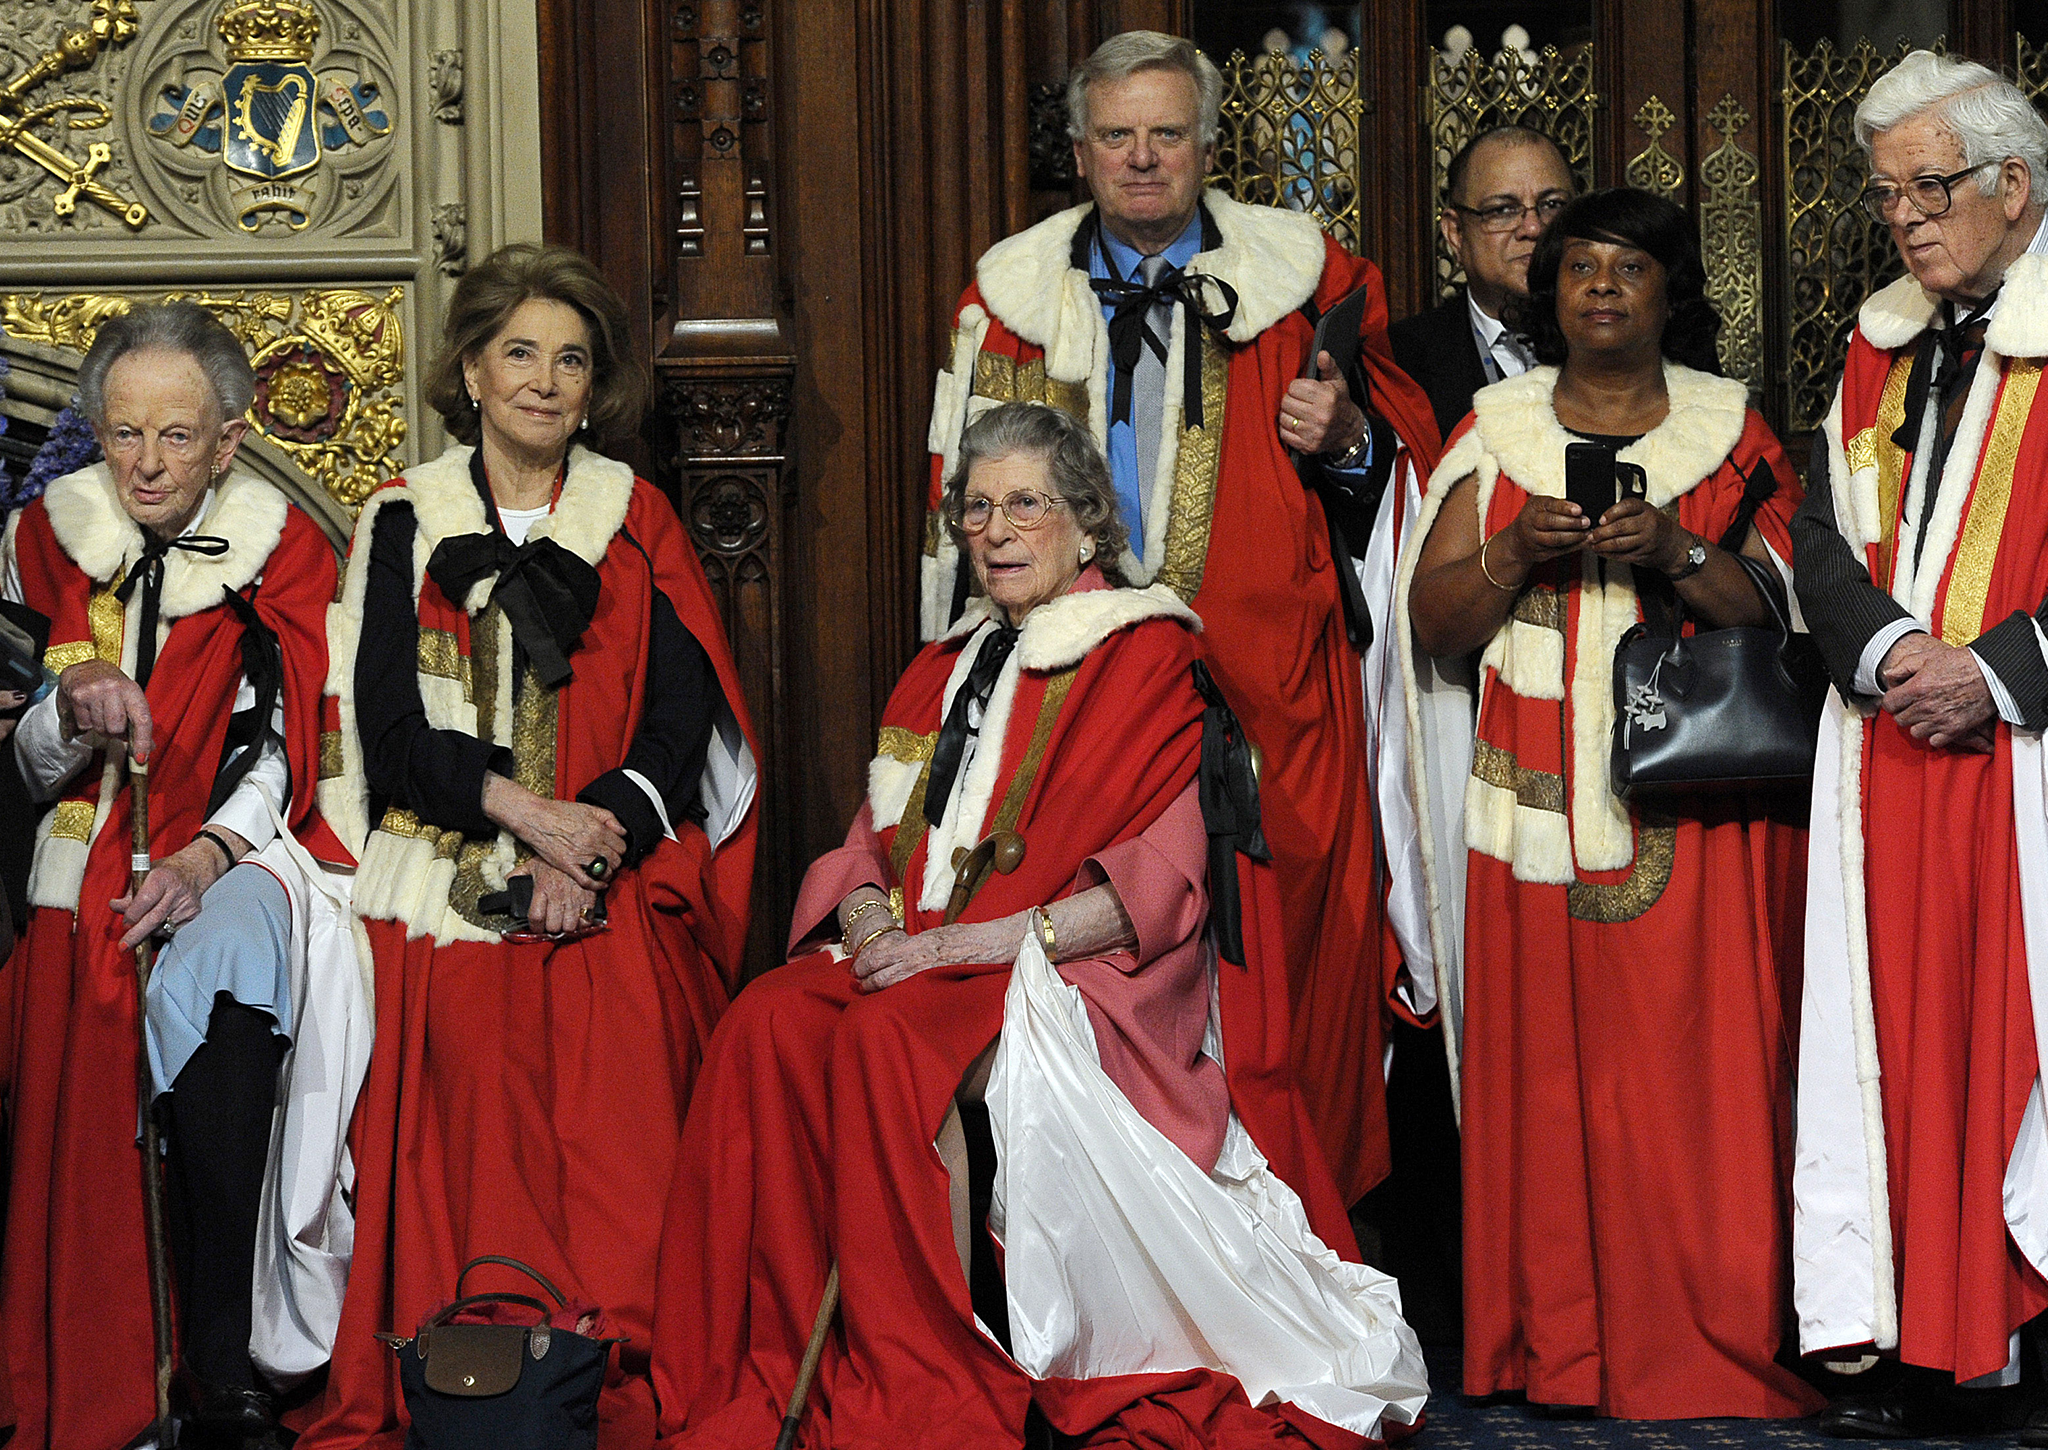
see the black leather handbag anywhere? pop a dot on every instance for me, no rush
(500, 1386)
(1722, 709)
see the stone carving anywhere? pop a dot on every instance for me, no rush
(43, 47)
(444, 80)
(451, 238)
(279, 113)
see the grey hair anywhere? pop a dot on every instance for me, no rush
(180, 327)
(1987, 114)
(1136, 50)
(1074, 468)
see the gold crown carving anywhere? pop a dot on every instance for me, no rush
(257, 30)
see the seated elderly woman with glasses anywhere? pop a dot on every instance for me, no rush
(1029, 869)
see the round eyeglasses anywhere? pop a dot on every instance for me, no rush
(1025, 509)
(1931, 196)
(1506, 216)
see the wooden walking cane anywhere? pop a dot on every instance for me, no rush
(152, 1149)
(1004, 851)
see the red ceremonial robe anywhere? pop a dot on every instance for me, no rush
(811, 1137)
(74, 1301)
(526, 1099)
(1231, 530)
(1947, 993)
(1625, 1071)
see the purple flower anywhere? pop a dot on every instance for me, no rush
(70, 447)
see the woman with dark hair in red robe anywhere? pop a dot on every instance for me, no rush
(535, 695)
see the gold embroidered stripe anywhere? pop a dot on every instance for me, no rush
(1625, 900)
(905, 745)
(73, 820)
(1539, 790)
(934, 530)
(60, 657)
(1034, 755)
(1195, 466)
(1969, 585)
(1891, 462)
(1068, 397)
(331, 765)
(995, 376)
(441, 657)
(910, 830)
(108, 620)
(399, 822)
(1542, 606)
(1030, 385)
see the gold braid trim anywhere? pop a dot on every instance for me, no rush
(1649, 874)
(1891, 461)
(1195, 466)
(995, 376)
(1538, 790)
(905, 745)
(441, 657)
(108, 619)
(1969, 585)
(60, 657)
(73, 821)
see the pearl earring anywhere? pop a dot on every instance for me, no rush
(473, 402)
(1086, 553)
(585, 424)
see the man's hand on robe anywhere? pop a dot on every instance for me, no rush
(1317, 414)
(96, 700)
(560, 907)
(1937, 694)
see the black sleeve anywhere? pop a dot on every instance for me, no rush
(683, 696)
(1842, 607)
(2010, 650)
(436, 774)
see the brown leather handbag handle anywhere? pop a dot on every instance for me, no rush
(526, 1269)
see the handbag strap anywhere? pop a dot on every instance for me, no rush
(526, 1269)
(1664, 612)
(448, 1313)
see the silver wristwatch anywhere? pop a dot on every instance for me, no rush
(1695, 560)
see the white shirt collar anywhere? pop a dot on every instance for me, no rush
(1489, 329)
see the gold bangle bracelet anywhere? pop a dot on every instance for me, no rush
(1504, 588)
(1045, 929)
(872, 904)
(868, 940)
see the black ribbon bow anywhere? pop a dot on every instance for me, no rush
(547, 593)
(1130, 331)
(149, 572)
(1229, 791)
(952, 743)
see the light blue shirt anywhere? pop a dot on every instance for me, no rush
(1122, 265)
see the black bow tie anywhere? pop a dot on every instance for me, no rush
(1130, 332)
(149, 572)
(548, 594)
(952, 742)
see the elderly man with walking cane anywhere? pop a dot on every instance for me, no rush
(179, 750)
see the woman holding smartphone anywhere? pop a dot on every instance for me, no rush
(1623, 1064)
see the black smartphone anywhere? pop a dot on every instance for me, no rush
(1589, 478)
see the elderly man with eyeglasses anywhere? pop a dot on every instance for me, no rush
(1501, 190)
(1921, 1184)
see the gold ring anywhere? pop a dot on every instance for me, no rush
(1292, 421)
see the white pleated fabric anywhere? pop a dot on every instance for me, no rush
(305, 1229)
(1123, 1257)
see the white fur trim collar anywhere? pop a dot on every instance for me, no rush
(1272, 258)
(99, 537)
(1062, 631)
(594, 500)
(1897, 314)
(1515, 422)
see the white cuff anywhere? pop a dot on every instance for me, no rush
(46, 758)
(2008, 710)
(1879, 646)
(653, 795)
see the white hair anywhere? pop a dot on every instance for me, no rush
(1136, 50)
(173, 327)
(1987, 114)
